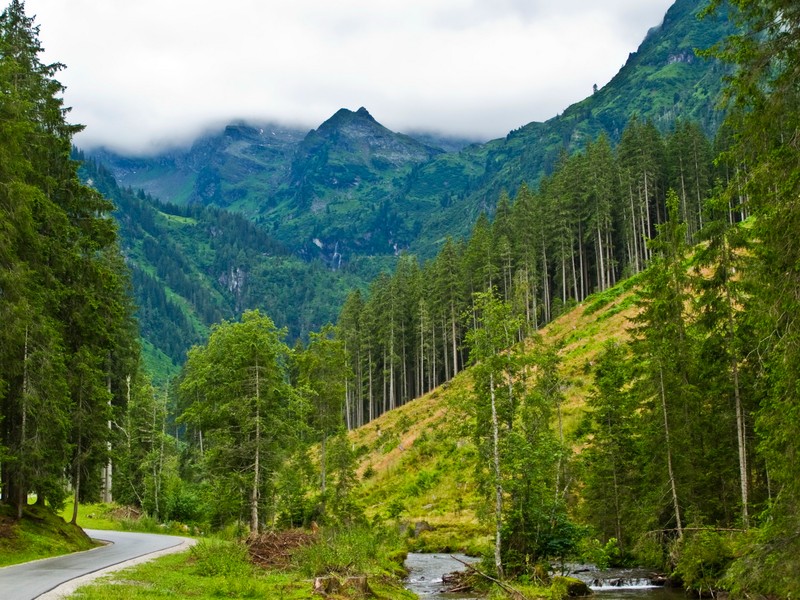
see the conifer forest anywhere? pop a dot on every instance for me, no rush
(186, 361)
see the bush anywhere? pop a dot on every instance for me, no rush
(354, 550)
(703, 558)
(601, 555)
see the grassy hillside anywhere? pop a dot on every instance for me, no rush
(416, 463)
(39, 534)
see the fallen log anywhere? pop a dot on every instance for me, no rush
(515, 593)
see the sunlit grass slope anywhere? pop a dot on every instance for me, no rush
(416, 463)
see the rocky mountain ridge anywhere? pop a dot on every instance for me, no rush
(352, 188)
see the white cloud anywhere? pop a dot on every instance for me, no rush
(153, 71)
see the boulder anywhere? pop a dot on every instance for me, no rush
(569, 587)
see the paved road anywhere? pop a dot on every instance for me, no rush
(30, 580)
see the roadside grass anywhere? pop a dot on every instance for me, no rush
(217, 568)
(39, 534)
(121, 518)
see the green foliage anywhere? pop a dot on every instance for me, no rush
(704, 557)
(395, 509)
(235, 392)
(352, 550)
(220, 558)
(603, 556)
(68, 337)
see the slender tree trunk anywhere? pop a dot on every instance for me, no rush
(673, 487)
(348, 412)
(454, 336)
(498, 486)
(77, 488)
(257, 463)
(392, 392)
(445, 358)
(22, 492)
(77, 473)
(107, 469)
(576, 290)
(371, 396)
(742, 443)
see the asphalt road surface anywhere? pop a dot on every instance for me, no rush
(31, 580)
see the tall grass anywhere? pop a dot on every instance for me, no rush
(353, 550)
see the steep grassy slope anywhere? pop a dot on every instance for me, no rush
(416, 463)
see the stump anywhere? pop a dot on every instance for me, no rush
(356, 585)
(326, 585)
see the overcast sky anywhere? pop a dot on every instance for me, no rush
(144, 73)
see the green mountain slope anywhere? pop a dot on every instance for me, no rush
(663, 81)
(417, 463)
(352, 188)
(193, 266)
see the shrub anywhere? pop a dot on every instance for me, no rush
(349, 551)
(704, 556)
(220, 558)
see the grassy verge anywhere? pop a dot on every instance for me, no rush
(39, 534)
(122, 518)
(222, 569)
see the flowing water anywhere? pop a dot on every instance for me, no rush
(426, 571)
(638, 593)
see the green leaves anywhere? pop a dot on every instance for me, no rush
(68, 338)
(235, 391)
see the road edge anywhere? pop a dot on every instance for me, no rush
(68, 588)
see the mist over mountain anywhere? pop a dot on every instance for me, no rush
(351, 195)
(353, 188)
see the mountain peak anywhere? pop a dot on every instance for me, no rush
(345, 115)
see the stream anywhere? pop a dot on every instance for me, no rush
(425, 573)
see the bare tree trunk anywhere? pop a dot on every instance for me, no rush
(107, 468)
(347, 408)
(498, 486)
(742, 439)
(371, 397)
(257, 465)
(22, 492)
(77, 489)
(675, 505)
(453, 333)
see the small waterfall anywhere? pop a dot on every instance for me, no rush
(615, 579)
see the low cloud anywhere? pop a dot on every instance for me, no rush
(149, 73)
